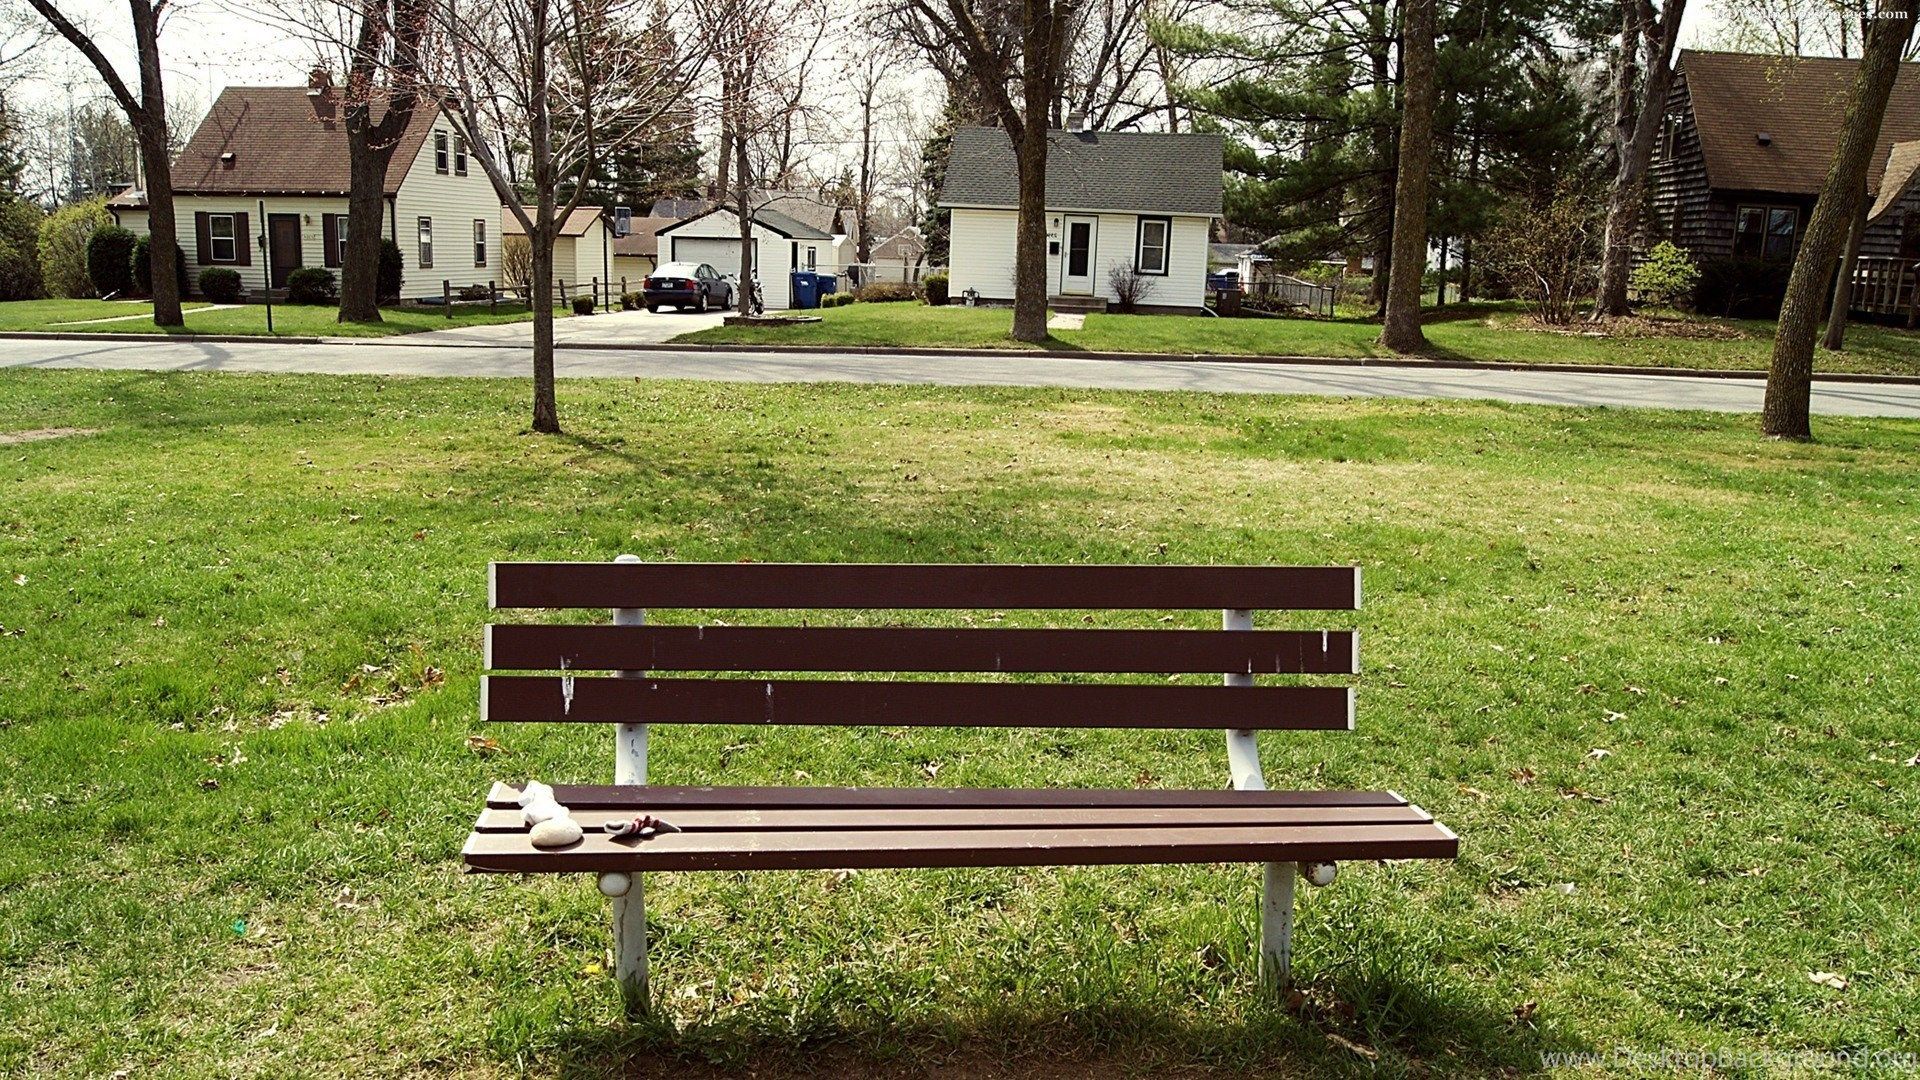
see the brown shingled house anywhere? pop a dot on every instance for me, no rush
(1745, 150)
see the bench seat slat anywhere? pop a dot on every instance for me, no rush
(921, 586)
(661, 797)
(901, 648)
(890, 848)
(741, 820)
(536, 698)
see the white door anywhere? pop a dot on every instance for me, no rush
(1076, 255)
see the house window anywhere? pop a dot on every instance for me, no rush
(426, 243)
(1151, 257)
(479, 241)
(459, 156)
(1766, 232)
(340, 239)
(810, 258)
(222, 243)
(440, 151)
(1669, 131)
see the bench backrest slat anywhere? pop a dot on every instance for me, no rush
(541, 698)
(540, 647)
(944, 585)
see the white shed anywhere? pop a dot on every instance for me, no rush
(1115, 200)
(781, 246)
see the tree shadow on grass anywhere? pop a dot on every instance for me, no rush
(1389, 1029)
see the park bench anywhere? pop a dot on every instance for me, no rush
(801, 828)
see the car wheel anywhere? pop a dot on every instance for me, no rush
(653, 309)
(700, 306)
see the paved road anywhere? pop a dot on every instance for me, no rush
(991, 369)
(616, 327)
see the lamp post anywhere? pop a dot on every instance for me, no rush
(266, 263)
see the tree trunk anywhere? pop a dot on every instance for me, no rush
(1401, 330)
(360, 263)
(1385, 149)
(1790, 378)
(1030, 285)
(546, 412)
(1635, 129)
(749, 268)
(1843, 284)
(151, 129)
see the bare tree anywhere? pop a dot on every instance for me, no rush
(147, 112)
(1785, 413)
(1006, 44)
(21, 34)
(1643, 73)
(580, 79)
(1418, 90)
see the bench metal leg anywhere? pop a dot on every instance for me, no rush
(1276, 925)
(629, 903)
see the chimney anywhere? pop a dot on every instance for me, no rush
(321, 95)
(1076, 120)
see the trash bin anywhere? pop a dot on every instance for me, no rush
(806, 289)
(828, 284)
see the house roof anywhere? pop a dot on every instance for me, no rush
(1798, 103)
(677, 208)
(578, 223)
(1142, 172)
(1903, 161)
(279, 147)
(643, 239)
(767, 219)
(905, 244)
(805, 209)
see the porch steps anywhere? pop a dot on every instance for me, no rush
(1079, 304)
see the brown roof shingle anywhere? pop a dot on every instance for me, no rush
(279, 147)
(1798, 102)
(578, 223)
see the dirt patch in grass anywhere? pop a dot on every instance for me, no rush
(8, 438)
(1638, 326)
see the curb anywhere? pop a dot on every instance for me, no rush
(1044, 354)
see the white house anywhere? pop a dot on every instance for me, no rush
(1115, 201)
(900, 257)
(281, 152)
(781, 245)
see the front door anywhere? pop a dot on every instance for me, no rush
(283, 236)
(1076, 260)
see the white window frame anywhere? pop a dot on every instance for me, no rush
(1165, 247)
(440, 152)
(425, 234)
(340, 239)
(480, 243)
(459, 155)
(232, 239)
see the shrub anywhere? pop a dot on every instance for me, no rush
(886, 291)
(632, 301)
(1745, 287)
(516, 264)
(583, 305)
(63, 247)
(935, 286)
(476, 291)
(220, 284)
(143, 266)
(391, 271)
(312, 285)
(1667, 277)
(19, 249)
(1130, 287)
(1549, 253)
(110, 260)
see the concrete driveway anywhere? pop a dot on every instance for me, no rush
(605, 328)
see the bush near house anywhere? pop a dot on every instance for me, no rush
(312, 285)
(632, 301)
(391, 271)
(1131, 288)
(220, 284)
(935, 286)
(583, 305)
(143, 266)
(19, 249)
(1667, 277)
(1747, 288)
(110, 260)
(886, 291)
(63, 248)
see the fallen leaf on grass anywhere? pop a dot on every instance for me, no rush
(1475, 792)
(1582, 793)
(482, 745)
(1523, 777)
(1598, 754)
(1523, 1012)
(1831, 979)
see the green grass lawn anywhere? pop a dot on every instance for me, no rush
(1492, 332)
(1658, 673)
(289, 320)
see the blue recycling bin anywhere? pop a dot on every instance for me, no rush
(806, 289)
(828, 284)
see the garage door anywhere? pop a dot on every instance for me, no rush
(723, 254)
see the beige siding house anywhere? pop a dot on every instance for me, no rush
(272, 161)
(1117, 202)
(582, 253)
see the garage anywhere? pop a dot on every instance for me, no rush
(714, 238)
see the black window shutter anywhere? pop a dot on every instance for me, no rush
(202, 246)
(242, 241)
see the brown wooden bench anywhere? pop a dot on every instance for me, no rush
(775, 828)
